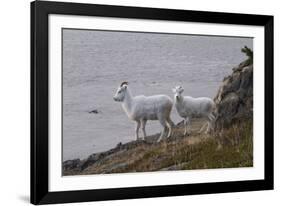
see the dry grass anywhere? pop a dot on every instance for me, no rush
(227, 149)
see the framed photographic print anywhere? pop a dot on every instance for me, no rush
(130, 102)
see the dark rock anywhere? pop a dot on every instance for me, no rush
(71, 164)
(119, 145)
(234, 100)
(96, 158)
(90, 160)
(247, 78)
(95, 111)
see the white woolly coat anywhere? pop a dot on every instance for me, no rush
(194, 107)
(148, 108)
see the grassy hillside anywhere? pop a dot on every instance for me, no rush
(230, 148)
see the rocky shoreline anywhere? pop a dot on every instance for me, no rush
(77, 165)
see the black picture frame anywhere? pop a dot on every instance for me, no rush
(40, 99)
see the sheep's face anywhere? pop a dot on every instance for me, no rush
(120, 93)
(178, 90)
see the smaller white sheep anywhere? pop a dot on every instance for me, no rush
(189, 107)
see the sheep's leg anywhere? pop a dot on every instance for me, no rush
(185, 127)
(143, 123)
(208, 128)
(211, 118)
(186, 123)
(203, 127)
(137, 129)
(213, 121)
(170, 129)
(189, 126)
(170, 122)
(163, 123)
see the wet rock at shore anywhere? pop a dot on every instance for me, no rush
(95, 111)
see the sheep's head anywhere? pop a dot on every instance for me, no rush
(178, 90)
(121, 91)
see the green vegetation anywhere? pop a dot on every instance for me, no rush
(232, 148)
(249, 54)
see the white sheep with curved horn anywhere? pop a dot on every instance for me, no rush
(143, 108)
(189, 107)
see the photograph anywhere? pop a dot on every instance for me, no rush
(136, 101)
(132, 102)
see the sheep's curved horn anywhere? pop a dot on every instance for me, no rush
(124, 83)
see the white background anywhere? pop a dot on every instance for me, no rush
(14, 104)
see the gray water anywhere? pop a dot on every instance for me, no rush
(96, 62)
